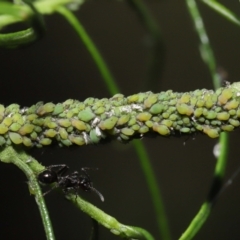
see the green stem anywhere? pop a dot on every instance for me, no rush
(124, 231)
(222, 10)
(208, 57)
(158, 53)
(113, 89)
(26, 164)
(154, 190)
(95, 54)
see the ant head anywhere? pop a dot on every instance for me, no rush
(47, 177)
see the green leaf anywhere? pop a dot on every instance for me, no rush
(221, 9)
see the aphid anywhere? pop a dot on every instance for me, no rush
(68, 183)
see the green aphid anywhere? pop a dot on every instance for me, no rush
(79, 125)
(86, 115)
(16, 117)
(50, 133)
(143, 129)
(132, 121)
(123, 119)
(7, 121)
(225, 96)
(135, 127)
(117, 97)
(233, 122)
(185, 98)
(63, 133)
(15, 138)
(2, 141)
(212, 133)
(150, 100)
(26, 129)
(133, 98)
(156, 108)
(166, 115)
(127, 131)
(27, 142)
(223, 116)
(185, 130)
(94, 137)
(227, 128)
(45, 141)
(2, 110)
(216, 123)
(15, 127)
(3, 129)
(89, 101)
(124, 137)
(51, 125)
(149, 124)
(38, 121)
(211, 114)
(185, 120)
(33, 135)
(200, 103)
(232, 112)
(141, 97)
(156, 119)
(64, 122)
(108, 123)
(37, 129)
(80, 106)
(68, 103)
(13, 108)
(58, 109)
(193, 101)
(171, 110)
(173, 117)
(144, 116)
(78, 140)
(161, 129)
(209, 103)
(184, 109)
(198, 112)
(46, 108)
(31, 117)
(99, 111)
(167, 123)
(233, 104)
(172, 102)
(70, 129)
(66, 142)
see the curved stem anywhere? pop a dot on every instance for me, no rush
(109, 222)
(26, 164)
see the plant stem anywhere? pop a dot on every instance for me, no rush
(24, 161)
(109, 222)
(95, 54)
(208, 57)
(113, 89)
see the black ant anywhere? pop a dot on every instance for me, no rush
(67, 183)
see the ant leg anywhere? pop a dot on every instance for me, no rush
(90, 183)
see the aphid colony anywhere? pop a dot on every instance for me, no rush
(122, 118)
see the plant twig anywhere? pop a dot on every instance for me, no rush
(27, 164)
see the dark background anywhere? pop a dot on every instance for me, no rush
(59, 67)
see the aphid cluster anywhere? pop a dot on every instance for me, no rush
(123, 118)
(67, 183)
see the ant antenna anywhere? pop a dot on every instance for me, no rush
(98, 193)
